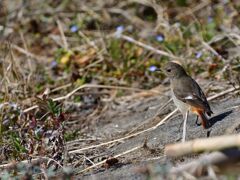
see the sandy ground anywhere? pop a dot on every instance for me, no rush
(125, 117)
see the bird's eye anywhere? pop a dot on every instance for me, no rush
(168, 70)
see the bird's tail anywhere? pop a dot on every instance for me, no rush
(204, 119)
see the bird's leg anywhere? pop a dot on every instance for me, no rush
(196, 122)
(184, 126)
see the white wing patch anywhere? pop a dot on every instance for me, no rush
(189, 97)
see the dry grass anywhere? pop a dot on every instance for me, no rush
(80, 57)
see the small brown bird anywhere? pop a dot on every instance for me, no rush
(187, 94)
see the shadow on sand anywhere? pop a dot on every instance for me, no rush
(218, 117)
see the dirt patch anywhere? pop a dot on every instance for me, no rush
(127, 117)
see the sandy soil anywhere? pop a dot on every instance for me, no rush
(125, 117)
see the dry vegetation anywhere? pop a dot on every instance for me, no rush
(67, 64)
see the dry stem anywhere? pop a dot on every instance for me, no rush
(205, 144)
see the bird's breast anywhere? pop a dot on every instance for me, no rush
(183, 107)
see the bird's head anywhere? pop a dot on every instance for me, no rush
(173, 70)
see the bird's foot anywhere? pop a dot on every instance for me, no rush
(197, 123)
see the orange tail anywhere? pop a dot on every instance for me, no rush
(204, 119)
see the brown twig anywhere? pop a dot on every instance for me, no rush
(138, 43)
(146, 121)
(190, 11)
(148, 47)
(125, 137)
(223, 93)
(207, 46)
(64, 40)
(102, 162)
(92, 86)
(201, 145)
(29, 54)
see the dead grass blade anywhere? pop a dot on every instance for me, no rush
(202, 145)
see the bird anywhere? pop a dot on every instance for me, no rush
(187, 95)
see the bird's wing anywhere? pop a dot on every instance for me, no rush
(191, 93)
